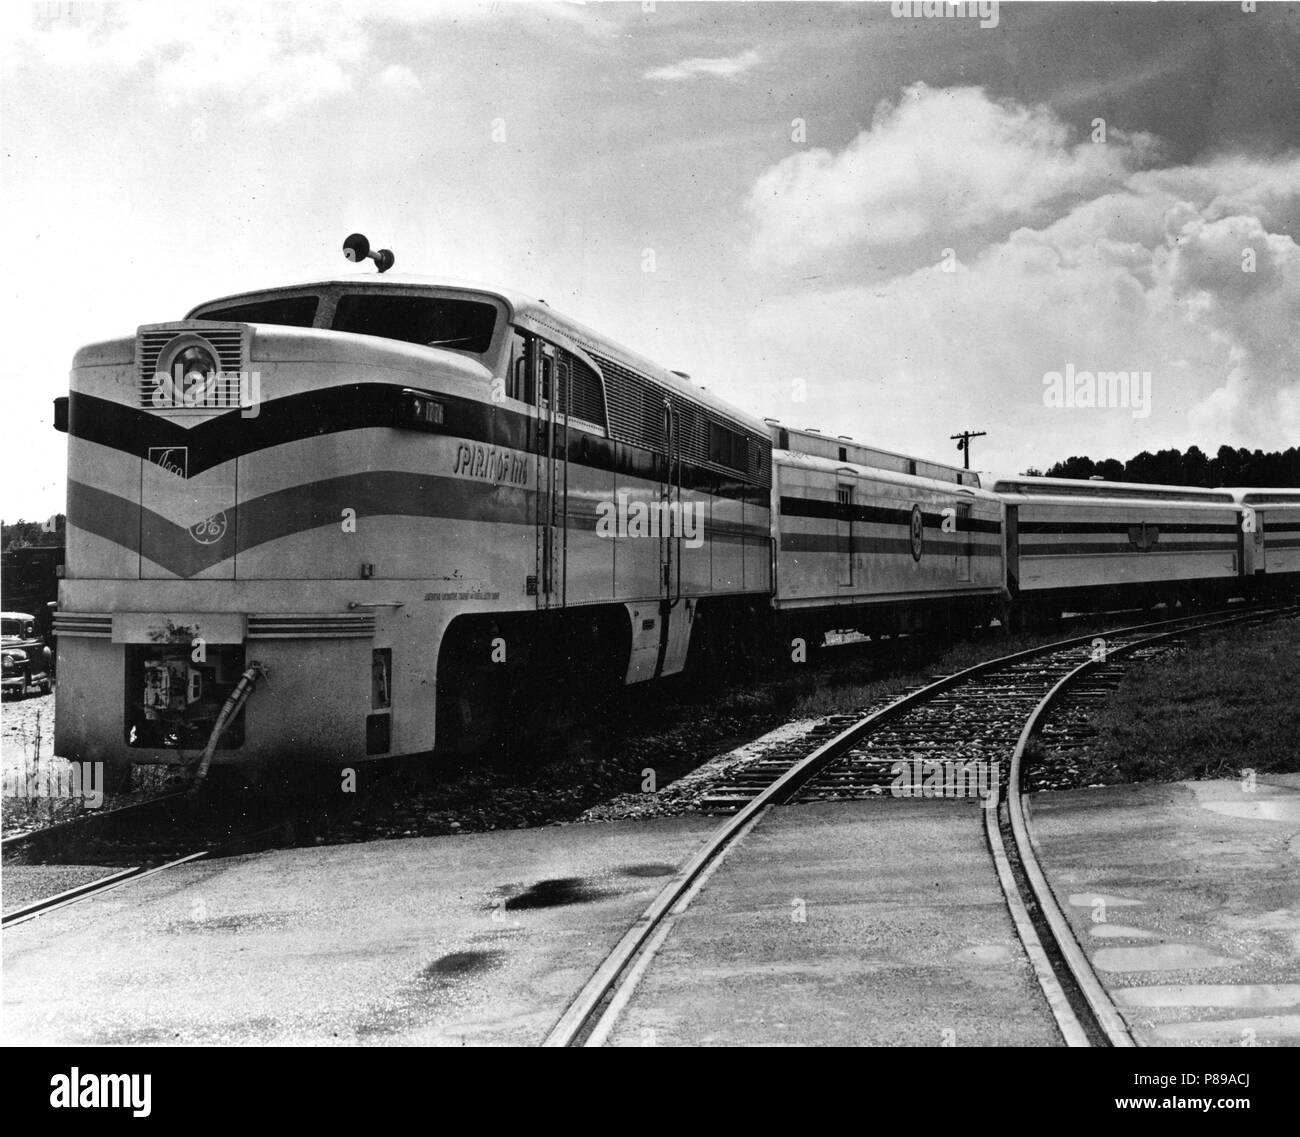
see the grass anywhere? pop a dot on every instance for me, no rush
(37, 788)
(35, 783)
(1224, 703)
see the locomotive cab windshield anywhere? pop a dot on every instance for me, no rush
(430, 321)
(463, 323)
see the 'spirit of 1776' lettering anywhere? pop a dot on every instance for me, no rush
(490, 464)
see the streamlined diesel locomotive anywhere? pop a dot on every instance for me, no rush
(381, 515)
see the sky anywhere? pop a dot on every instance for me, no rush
(857, 217)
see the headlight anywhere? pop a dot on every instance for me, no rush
(194, 366)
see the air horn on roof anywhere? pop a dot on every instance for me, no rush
(357, 248)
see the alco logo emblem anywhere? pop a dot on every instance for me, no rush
(173, 459)
(918, 532)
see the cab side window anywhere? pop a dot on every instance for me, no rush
(519, 382)
(548, 368)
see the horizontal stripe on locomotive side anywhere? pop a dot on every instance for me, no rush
(835, 543)
(1047, 527)
(844, 597)
(1074, 549)
(316, 504)
(489, 562)
(358, 406)
(877, 514)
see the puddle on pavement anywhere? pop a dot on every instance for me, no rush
(1158, 957)
(263, 1030)
(1260, 809)
(1232, 1031)
(555, 894)
(446, 982)
(651, 869)
(1121, 932)
(1247, 995)
(247, 921)
(1275, 920)
(1088, 899)
(462, 963)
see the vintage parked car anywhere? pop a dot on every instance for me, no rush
(25, 658)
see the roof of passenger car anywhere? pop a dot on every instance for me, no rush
(1265, 495)
(1079, 488)
(796, 458)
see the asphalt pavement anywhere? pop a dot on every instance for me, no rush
(866, 923)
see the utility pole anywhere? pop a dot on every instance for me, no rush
(963, 441)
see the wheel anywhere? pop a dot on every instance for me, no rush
(46, 685)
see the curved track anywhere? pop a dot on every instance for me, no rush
(1021, 688)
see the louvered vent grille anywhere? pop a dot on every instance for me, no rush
(83, 624)
(230, 346)
(636, 416)
(325, 625)
(625, 393)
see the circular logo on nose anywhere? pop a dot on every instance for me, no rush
(210, 530)
(918, 532)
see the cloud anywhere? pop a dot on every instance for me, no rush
(940, 161)
(726, 67)
(1255, 313)
(400, 80)
(272, 59)
(1187, 272)
(275, 58)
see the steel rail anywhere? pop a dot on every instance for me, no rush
(582, 1012)
(233, 843)
(92, 888)
(1103, 1010)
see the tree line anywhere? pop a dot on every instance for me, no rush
(1192, 467)
(21, 534)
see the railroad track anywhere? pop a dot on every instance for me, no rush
(149, 837)
(978, 719)
(100, 825)
(93, 888)
(971, 716)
